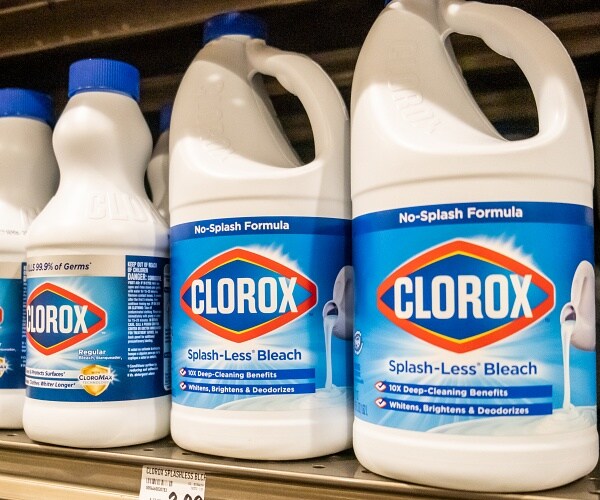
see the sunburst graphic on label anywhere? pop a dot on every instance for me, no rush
(462, 296)
(95, 379)
(3, 366)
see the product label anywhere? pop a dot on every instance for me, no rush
(476, 318)
(168, 483)
(262, 313)
(12, 335)
(97, 328)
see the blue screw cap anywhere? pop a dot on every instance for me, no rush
(235, 23)
(26, 104)
(104, 75)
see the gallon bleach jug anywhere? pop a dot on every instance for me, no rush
(28, 178)
(158, 168)
(97, 360)
(262, 283)
(474, 341)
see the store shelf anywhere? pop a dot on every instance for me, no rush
(64, 23)
(34, 471)
(41, 39)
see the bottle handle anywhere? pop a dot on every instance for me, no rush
(541, 56)
(304, 78)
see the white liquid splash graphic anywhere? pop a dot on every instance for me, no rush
(574, 325)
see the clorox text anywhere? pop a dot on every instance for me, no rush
(66, 319)
(463, 296)
(243, 295)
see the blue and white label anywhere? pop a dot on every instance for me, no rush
(12, 335)
(262, 309)
(97, 328)
(476, 318)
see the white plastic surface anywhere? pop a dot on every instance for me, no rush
(429, 103)
(419, 138)
(102, 145)
(479, 463)
(214, 158)
(28, 178)
(229, 157)
(158, 175)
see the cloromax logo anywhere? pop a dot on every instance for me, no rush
(461, 296)
(240, 295)
(58, 319)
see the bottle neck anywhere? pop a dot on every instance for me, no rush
(102, 139)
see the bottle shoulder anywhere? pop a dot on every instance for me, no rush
(99, 217)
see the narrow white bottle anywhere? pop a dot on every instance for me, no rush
(28, 178)
(158, 168)
(96, 260)
(475, 340)
(262, 299)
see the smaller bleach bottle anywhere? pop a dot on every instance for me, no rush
(28, 179)
(158, 168)
(475, 331)
(97, 370)
(260, 251)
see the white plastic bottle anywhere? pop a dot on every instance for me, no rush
(28, 178)
(158, 168)
(262, 283)
(97, 358)
(474, 343)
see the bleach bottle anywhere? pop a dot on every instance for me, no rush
(97, 360)
(474, 342)
(158, 168)
(262, 283)
(29, 177)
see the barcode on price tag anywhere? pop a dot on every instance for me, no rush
(167, 483)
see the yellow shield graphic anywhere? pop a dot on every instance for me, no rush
(95, 379)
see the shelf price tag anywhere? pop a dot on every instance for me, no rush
(168, 483)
